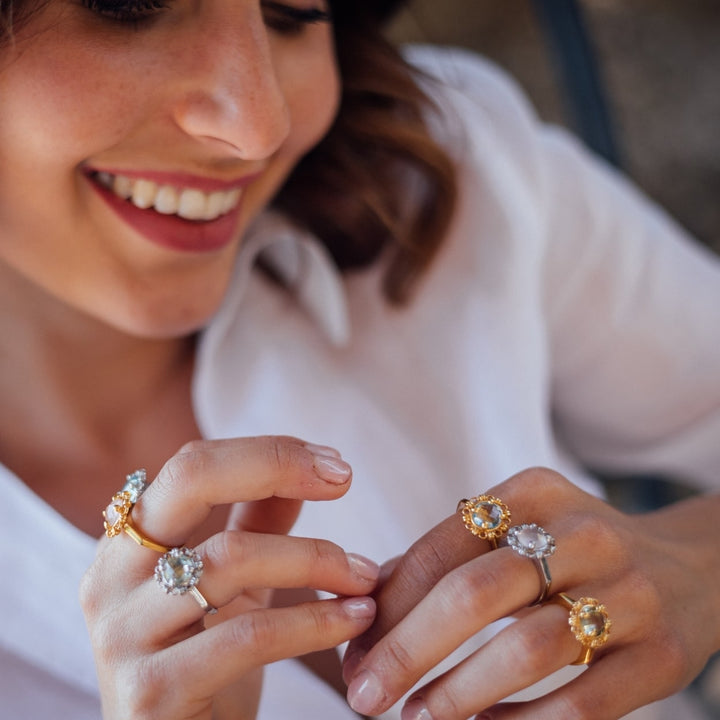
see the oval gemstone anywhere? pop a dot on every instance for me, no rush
(112, 516)
(532, 538)
(592, 621)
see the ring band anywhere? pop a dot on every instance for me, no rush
(202, 602)
(178, 572)
(486, 517)
(589, 623)
(117, 512)
(140, 539)
(531, 541)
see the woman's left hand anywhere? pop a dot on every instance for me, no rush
(658, 576)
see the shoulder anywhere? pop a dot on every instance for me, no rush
(473, 98)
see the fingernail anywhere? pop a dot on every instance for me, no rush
(359, 608)
(364, 567)
(350, 664)
(365, 693)
(322, 450)
(332, 469)
(415, 710)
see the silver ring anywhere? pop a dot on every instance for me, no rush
(178, 572)
(531, 541)
(202, 602)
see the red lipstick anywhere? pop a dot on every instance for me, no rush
(171, 231)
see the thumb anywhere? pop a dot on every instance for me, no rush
(272, 515)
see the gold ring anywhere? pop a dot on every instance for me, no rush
(132, 531)
(117, 513)
(589, 623)
(485, 516)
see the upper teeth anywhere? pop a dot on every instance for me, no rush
(188, 203)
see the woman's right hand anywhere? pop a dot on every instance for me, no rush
(155, 654)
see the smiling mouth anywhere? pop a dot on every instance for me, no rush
(187, 203)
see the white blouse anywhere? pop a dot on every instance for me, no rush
(567, 322)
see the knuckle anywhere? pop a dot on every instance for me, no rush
(425, 563)
(603, 536)
(443, 702)
(575, 707)
(282, 454)
(143, 687)
(545, 483)
(323, 553)
(528, 649)
(88, 593)
(227, 549)
(253, 632)
(468, 590)
(397, 659)
(178, 472)
(677, 659)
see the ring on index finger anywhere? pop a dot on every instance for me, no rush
(117, 513)
(486, 517)
(531, 541)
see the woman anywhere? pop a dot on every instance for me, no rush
(505, 304)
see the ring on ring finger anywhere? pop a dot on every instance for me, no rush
(486, 517)
(589, 623)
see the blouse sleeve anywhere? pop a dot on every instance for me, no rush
(630, 303)
(633, 312)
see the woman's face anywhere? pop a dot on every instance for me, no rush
(138, 139)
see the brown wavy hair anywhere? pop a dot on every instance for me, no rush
(378, 182)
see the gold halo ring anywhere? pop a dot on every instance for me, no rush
(486, 517)
(117, 514)
(589, 623)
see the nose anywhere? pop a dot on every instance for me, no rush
(228, 93)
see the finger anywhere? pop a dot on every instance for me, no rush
(462, 603)
(516, 658)
(209, 473)
(441, 550)
(247, 642)
(588, 695)
(273, 515)
(449, 544)
(234, 562)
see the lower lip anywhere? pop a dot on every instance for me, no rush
(171, 231)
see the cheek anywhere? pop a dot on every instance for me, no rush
(312, 90)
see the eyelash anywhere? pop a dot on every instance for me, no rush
(284, 19)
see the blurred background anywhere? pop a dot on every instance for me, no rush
(658, 63)
(639, 81)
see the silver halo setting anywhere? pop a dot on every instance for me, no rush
(179, 570)
(531, 541)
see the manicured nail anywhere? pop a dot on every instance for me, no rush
(365, 693)
(350, 664)
(363, 567)
(322, 450)
(332, 469)
(415, 710)
(359, 608)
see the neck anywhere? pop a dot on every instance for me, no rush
(83, 400)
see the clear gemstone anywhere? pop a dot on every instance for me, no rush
(178, 570)
(112, 515)
(487, 515)
(591, 621)
(532, 540)
(135, 484)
